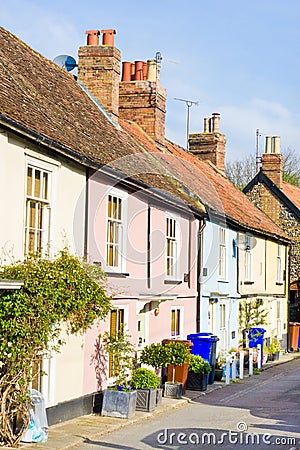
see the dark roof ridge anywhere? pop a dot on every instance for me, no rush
(264, 179)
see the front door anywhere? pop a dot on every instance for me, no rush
(143, 327)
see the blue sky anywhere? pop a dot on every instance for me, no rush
(240, 59)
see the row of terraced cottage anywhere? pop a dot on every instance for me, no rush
(85, 162)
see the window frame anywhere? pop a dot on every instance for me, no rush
(248, 257)
(119, 227)
(43, 207)
(279, 270)
(172, 242)
(178, 322)
(124, 309)
(223, 252)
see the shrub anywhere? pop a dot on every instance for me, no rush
(154, 355)
(144, 379)
(199, 365)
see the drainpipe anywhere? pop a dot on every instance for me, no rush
(288, 285)
(86, 219)
(199, 272)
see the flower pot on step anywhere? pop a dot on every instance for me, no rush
(196, 381)
(172, 390)
(146, 399)
(120, 404)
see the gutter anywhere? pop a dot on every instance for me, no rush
(124, 180)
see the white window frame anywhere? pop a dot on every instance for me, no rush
(278, 319)
(248, 256)
(222, 253)
(177, 309)
(119, 227)
(172, 239)
(45, 204)
(279, 278)
(223, 324)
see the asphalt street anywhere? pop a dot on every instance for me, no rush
(260, 413)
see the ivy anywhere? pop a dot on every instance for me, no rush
(59, 293)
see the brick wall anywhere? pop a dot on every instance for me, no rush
(99, 71)
(284, 218)
(144, 102)
(209, 146)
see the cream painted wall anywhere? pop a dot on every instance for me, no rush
(12, 187)
(69, 373)
(68, 195)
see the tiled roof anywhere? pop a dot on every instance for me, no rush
(42, 97)
(292, 192)
(201, 178)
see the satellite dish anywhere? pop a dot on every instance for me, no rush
(66, 62)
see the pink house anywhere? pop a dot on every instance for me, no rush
(145, 241)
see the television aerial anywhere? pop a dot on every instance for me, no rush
(67, 62)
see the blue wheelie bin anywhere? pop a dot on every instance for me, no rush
(256, 336)
(205, 345)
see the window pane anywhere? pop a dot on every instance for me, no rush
(173, 322)
(45, 185)
(37, 183)
(29, 181)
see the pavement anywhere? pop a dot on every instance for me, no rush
(73, 432)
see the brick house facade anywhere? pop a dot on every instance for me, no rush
(281, 202)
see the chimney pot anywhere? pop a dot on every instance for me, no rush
(145, 70)
(207, 125)
(151, 73)
(276, 144)
(108, 37)
(138, 72)
(92, 37)
(126, 71)
(216, 122)
(268, 148)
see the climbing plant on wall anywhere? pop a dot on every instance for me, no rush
(57, 294)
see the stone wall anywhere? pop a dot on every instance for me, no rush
(264, 199)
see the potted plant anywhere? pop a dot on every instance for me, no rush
(274, 349)
(177, 354)
(220, 364)
(199, 368)
(146, 382)
(120, 399)
(155, 355)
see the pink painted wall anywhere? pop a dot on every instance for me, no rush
(132, 291)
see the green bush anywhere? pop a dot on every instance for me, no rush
(154, 355)
(177, 353)
(199, 365)
(144, 379)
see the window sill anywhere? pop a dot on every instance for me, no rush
(172, 281)
(117, 274)
(248, 282)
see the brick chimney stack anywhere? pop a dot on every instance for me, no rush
(272, 160)
(209, 145)
(99, 69)
(141, 97)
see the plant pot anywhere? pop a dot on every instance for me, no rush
(196, 381)
(274, 356)
(218, 374)
(172, 390)
(146, 399)
(119, 403)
